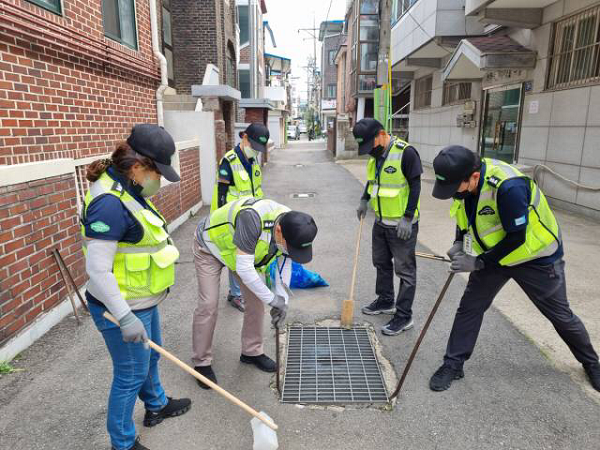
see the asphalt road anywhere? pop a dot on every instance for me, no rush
(510, 398)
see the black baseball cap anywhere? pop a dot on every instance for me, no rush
(258, 135)
(365, 131)
(156, 143)
(299, 231)
(452, 166)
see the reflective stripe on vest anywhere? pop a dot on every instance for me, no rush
(389, 189)
(542, 234)
(145, 270)
(220, 227)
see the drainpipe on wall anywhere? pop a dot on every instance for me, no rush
(164, 80)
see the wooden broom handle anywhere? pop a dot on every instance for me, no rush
(202, 378)
(348, 305)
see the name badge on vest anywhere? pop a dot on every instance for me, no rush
(468, 244)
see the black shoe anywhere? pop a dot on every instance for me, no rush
(136, 446)
(208, 373)
(379, 307)
(593, 373)
(175, 407)
(443, 378)
(263, 362)
(396, 326)
(237, 302)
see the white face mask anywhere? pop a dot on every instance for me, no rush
(250, 152)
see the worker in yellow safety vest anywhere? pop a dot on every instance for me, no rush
(392, 192)
(245, 236)
(130, 261)
(240, 176)
(505, 230)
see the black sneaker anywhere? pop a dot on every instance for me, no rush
(443, 378)
(593, 373)
(175, 407)
(263, 362)
(208, 372)
(379, 307)
(396, 326)
(136, 446)
(237, 302)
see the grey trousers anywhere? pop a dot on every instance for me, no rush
(392, 254)
(544, 285)
(208, 272)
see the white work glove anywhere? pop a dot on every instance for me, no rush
(404, 228)
(278, 310)
(133, 329)
(362, 209)
(457, 248)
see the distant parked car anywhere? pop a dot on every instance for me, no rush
(293, 133)
(302, 128)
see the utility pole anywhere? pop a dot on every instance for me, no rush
(312, 65)
(383, 59)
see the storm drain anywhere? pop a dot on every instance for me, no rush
(303, 195)
(331, 365)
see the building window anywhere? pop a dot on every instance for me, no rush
(331, 91)
(399, 8)
(50, 5)
(167, 40)
(456, 93)
(118, 17)
(244, 76)
(368, 57)
(369, 28)
(575, 53)
(243, 24)
(423, 88)
(230, 67)
(366, 83)
(369, 7)
(332, 54)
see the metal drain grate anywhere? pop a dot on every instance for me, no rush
(331, 365)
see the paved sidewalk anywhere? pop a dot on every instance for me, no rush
(510, 398)
(582, 257)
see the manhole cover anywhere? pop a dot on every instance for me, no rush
(303, 195)
(331, 365)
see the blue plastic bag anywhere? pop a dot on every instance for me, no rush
(301, 277)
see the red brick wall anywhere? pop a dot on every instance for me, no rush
(35, 218)
(175, 199)
(255, 115)
(66, 91)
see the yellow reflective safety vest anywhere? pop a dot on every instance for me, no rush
(220, 228)
(143, 270)
(244, 185)
(486, 230)
(389, 188)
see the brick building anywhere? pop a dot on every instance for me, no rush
(75, 76)
(204, 34)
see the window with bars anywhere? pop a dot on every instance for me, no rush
(423, 88)
(456, 92)
(575, 54)
(332, 54)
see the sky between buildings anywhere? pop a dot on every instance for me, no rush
(285, 18)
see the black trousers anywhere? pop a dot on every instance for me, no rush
(544, 285)
(390, 253)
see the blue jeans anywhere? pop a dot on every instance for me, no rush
(234, 287)
(135, 373)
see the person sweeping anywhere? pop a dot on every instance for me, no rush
(130, 260)
(246, 235)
